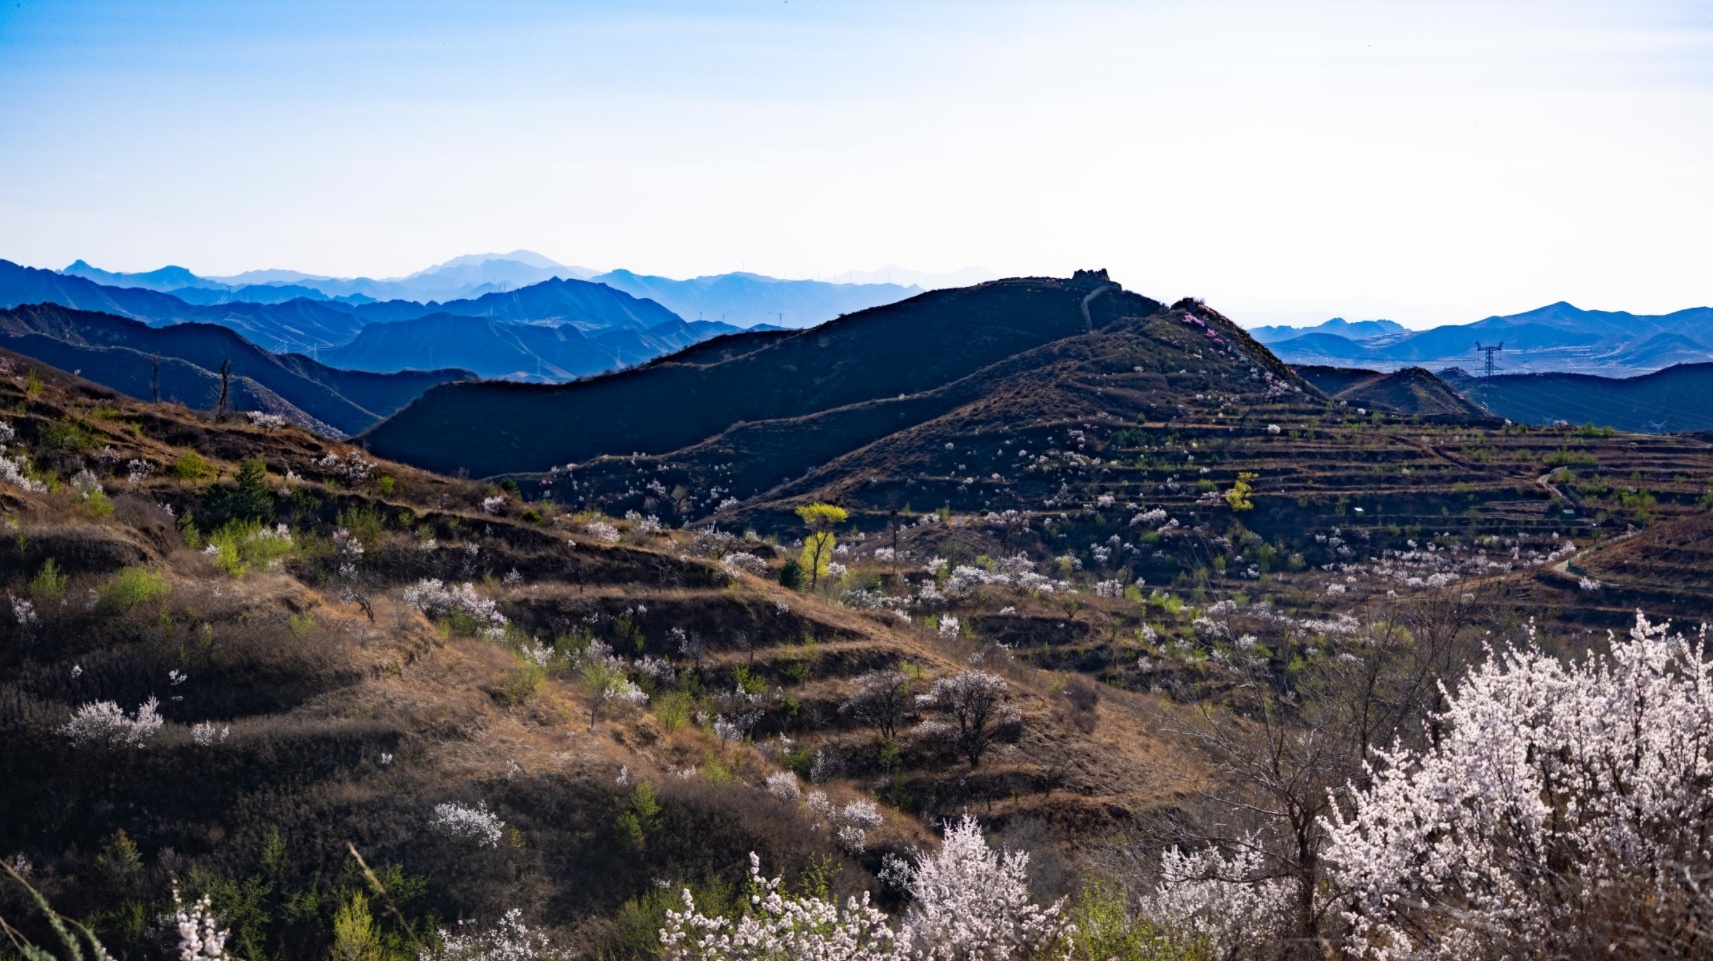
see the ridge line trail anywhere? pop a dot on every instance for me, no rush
(1087, 319)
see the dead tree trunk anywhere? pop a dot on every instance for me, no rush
(225, 390)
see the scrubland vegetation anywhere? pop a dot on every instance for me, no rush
(1256, 682)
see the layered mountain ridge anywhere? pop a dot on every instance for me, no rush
(123, 354)
(1558, 337)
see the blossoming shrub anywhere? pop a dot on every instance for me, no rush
(969, 903)
(1210, 905)
(1556, 799)
(476, 824)
(460, 608)
(104, 722)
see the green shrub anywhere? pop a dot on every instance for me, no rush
(791, 575)
(641, 815)
(672, 710)
(49, 582)
(190, 467)
(187, 529)
(96, 504)
(364, 522)
(636, 929)
(524, 682)
(386, 484)
(248, 499)
(242, 544)
(68, 433)
(799, 761)
(301, 625)
(131, 587)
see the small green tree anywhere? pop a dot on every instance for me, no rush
(356, 937)
(1238, 496)
(818, 543)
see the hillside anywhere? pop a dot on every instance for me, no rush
(1678, 398)
(667, 405)
(120, 353)
(314, 689)
(306, 702)
(1412, 392)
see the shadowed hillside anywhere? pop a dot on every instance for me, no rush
(915, 347)
(1411, 391)
(121, 353)
(1676, 399)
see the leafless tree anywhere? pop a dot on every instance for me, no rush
(881, 701)
(1291, 742)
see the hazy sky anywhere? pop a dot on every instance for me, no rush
(1424, 161)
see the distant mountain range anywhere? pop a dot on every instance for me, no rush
(1361, 331)
(123, 354)
(750, 299)
(514, 351)
(462, 277)
(742, 299)
(1559, 337)
(603, 328)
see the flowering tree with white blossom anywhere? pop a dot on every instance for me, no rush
(973, 709)
(1561, 807)
(969, 903)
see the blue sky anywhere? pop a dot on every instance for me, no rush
(1428, 161)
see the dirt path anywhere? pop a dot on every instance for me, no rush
(1087, 319)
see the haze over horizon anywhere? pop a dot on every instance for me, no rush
(1425, 162)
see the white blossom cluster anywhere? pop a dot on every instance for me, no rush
(1550, 784)
(104, 722)
(783, 785)
(23, 611)
(508, 940)
(203, 733)
(778, 927)
(1216, 904)
(1434, 565)
(970, 903)
(492, 505)
(602, 531)
(743, 561)
(434, 598)
(354, 469)
(461, 821)
(200, 938)
(15, 471)
(265, 420)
